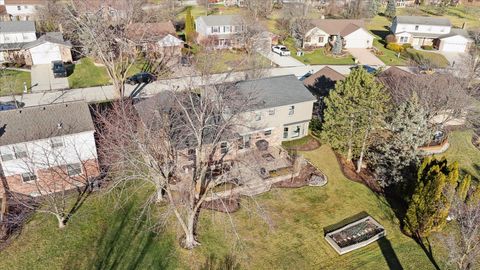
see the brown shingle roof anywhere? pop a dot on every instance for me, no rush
(42, 122)
(324, 73)
(334, 26)
(138, 31)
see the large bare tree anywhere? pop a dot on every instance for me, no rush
(179, 144)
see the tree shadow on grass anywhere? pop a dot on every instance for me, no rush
(127, 243)
(389, 254)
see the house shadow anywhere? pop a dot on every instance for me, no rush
(70, 69)
(137, 92)
(127, 242)
(389, 254)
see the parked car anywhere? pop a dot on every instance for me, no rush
(281, 50)
(142, 77)
(59, 70)
(368, 68)
(11, 105)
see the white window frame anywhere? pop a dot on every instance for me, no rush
(258, 116)
(417, 27)
(7, 155)
(291, 110)
(285, 132)
(296, 132)
(267, 132)
(271, 112)
(30, 176)
(20, 151)
(75, 173)
(223, 147)
(57, 142)
(403, 39)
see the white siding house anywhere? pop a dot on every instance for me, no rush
(326, 30)
(37, 140)
(219, 31)
(17, 32)
(22, 9)
(429, 31)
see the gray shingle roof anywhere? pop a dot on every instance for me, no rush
(276, 91)
(17, 26)
(423, 20)
(218, 20)
(457, 31)
(35, 123)
(52, 37)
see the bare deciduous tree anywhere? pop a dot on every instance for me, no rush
(259, 8)
(178, 145)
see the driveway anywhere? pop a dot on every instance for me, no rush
(283, 61)
(365, 57)
(453, 57)
(43, 80)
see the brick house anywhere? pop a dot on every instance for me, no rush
(48, 148)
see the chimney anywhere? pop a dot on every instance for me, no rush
(59, 126)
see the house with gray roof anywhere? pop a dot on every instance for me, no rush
(430, 31)
(219, 31)
(37, 142)
(282, 112)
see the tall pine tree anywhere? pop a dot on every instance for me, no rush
(396, 154)
(434, 191)
(391, 9)
(189, 26)
(353, 110)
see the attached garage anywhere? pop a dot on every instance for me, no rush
(359, 38)
(45, 53)
(455, 43)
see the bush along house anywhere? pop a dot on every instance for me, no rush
(47, 149)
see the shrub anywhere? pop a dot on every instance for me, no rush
(407, 45)
(391, 38)
(427, 47)
(315, 125)
(395, 47)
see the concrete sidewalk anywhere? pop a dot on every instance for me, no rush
(283, 61)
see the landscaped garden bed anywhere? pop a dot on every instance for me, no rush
(309, 176)
(355, 235)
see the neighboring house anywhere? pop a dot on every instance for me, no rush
(37, 143)
(19, 44)
(283, 111)
(219, 31)
(159, 39)
(326, 30)
(22, 9)
(430, 31)
(238, 3)
(322, 81)
(3, 13)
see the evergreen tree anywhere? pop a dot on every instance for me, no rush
(396, 154)
(353, 110)
(463, 187)
(189, 26)
(337, 45)
(391, 9)
(434, 190)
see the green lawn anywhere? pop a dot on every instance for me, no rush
(436, 59)
(226, 60)
(12, 81)
(87, 74)
(462, 150)
(289, 236)
(317, 57)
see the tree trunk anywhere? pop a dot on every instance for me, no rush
(159, 195)
(190, 242)
(350, 141)
(61, 221)
(362, 152)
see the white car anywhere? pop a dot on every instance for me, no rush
(281, 50)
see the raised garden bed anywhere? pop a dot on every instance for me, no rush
(355, 235)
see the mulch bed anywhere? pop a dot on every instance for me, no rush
(224, 205)
(365, 177)
(312, 144)
(300, 181)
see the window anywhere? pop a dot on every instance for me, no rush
(268, 132)
(271, 112)
(216, 29)
(74, 169)
(223, 147)
(307, 39)
(296, 132)
(403, 39)
(6, 155)
(19, 8)
(25, 7)
(7, 38)
(258, 116)
(20, 151)
(28, 177)
(285, 132)
(291, 110)
(56, 142)
(226, 29)
(321, 39)
(416, 27)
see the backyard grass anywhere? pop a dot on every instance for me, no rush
(317, 57)
(282, 229)
(227, 60)
(87, 74)
(462, 150)
(11, 81)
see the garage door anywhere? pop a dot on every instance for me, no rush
(357, 43)
(454, 47)
(45, 53)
